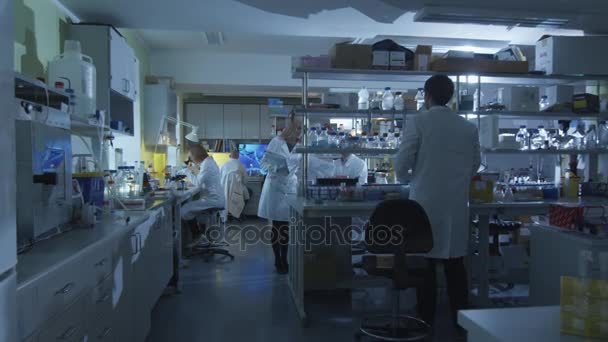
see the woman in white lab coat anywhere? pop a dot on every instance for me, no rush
(281, 166)
(351, 166)
(204, 174)
(442, 151)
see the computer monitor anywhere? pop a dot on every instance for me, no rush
(251, 156)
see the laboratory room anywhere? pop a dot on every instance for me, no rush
(256, 170)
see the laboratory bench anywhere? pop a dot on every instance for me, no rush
(328, 266)
(100, 283)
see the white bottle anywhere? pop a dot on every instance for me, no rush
(323, 140)
(543, 104)
(477, 101)
(399, 103)
(363, 99)
(313, 138)
(419, 99)
(523, 138)
(388, 100)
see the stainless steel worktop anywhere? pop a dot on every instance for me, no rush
(175, 196)
(47, 255)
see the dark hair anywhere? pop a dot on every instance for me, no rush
(440, 89)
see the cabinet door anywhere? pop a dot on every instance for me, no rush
(124, 287)
(251, 121)
(195, 115)
(213, 115)
(132, 74)
(266, 123)
(232, 122)
(117, 64)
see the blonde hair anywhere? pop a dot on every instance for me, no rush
(198, 153)
(290, 133)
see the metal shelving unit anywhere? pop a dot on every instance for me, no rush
(83, 127)
(540, 115)
(348, 113)
(544, 152)
(362, 151)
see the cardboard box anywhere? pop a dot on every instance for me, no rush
(422, 57)
(397, 60)
(562, 55)
(478, 65)
(351, 56)
(559, 94)
(524, 99)
(381, 59)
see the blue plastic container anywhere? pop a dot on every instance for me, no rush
(92, 185)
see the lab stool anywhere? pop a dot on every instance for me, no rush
(210, 219)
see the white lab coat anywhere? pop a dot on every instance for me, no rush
(442, 150)
(281, 180)
(352, 167)
(233, 178)
(211, 195)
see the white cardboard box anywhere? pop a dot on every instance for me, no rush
(523, 99)
(397, 60)
(563, 55)
(381, 59)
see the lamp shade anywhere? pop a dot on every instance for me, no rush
(193, 135)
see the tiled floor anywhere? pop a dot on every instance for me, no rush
(245, 300)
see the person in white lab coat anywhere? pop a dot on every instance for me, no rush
(441, 149)
(204, 174)
(281, 166)
(233, 177)
(351, 166)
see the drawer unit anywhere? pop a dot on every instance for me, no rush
(102, 333)
(32, 338)
(100, 305)
(68, 326)
(27, 313)
(101, 262)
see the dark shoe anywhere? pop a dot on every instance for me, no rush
(279, 268)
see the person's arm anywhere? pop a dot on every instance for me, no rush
(408, 152)
(363, 174)
(476, 152)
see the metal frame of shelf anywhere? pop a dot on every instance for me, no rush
(544, 152)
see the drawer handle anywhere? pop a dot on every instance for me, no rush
(67, 288)
(101, 262)
(67, 334)
(105, 333)
(104, 299)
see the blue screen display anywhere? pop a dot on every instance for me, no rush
(251, 155)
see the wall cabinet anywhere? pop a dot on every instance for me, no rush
(227, 121)
(116, 66)
(250, 122)
(159, 101)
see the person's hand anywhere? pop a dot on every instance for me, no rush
(194, 169)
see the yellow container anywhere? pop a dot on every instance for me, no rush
(570, 185)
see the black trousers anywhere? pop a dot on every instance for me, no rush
(456, 278)
(280, 241)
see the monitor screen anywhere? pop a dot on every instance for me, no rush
(251, 155)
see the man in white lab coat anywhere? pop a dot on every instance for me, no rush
(351, 166)
(441, 149)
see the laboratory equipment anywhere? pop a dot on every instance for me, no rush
(602, 134)
(376, 101)
(543, 104)
(388, 100)
(313, 137)
(419, 99)
(341, 139)
(118, 155)
(35, 101)
(590, 139)
(399, 103)
(363, 103)
(323, 139)
(92, 187)
(523, 138)
(333, 140)
(540, 139)
(477, 100)
(44, 181)
(75, 73)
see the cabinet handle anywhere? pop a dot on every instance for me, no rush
(105, 333)
(64, 290)
(67, 334)
(104, 299)
(139, 243)
(101, 262)
(136, 244)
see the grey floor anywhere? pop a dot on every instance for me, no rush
(245, 300)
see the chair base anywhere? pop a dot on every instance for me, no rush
(390, 328)
(211, 249)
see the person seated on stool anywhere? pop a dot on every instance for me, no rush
(204, 174)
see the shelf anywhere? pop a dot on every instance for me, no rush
(357, 151)
(83, 127)
(348, 113)
(116, 132)
(422, 76)
(540, 115)
(551, 152)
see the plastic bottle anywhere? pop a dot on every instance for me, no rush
(376, 102)
(313, 137)
(523, 138)
(73, 70)
(323, 140)
(543, 104)
(388, 100)
(341, 139)
(363, 103)
(477, 100)
(419, 99)
(399, 103)
(333, 140)
(591, 138)
(602, 134)
(538, 139)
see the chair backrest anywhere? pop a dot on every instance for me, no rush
(399, 226)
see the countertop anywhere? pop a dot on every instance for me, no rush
(174, 196)
(531, 324)
(52, 253)
(570, 234)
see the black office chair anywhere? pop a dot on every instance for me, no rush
(211, 218)
(397, 227)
